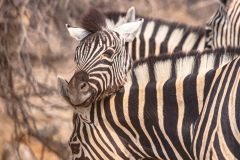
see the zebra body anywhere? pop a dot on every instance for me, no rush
(153, 115)
(158, 36)
(157, 114)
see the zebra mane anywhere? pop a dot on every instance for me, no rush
(182, 64)
(173, 25)
(180, 55)
(93, 21)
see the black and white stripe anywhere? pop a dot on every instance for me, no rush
(224, 26)
(158, 36)
(153, 116)
(217, 131)
(101, 56)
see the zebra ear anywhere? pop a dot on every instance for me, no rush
(209, 37)
(77, 33)
(131, 14)
(63, 88)
(129, 30)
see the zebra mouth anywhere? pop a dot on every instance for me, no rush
(86, 102)
(77, 97)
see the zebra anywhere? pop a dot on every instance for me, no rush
(223, 28)
(216, 134)
(146, 90)
(158, 36)
(153, 115)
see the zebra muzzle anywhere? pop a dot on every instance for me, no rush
(76, 92)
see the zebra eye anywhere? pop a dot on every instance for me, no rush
(108, 53)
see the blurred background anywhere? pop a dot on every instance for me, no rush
(35, 47)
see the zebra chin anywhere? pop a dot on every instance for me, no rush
(77, 99)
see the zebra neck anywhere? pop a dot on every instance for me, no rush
(218, 115)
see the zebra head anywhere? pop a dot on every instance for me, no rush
(223, 28)
(102, 62)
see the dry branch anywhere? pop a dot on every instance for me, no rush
(17, 82)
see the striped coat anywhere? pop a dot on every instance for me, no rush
(217, 131)
(158, 36)
(224, 26)
(153, 116)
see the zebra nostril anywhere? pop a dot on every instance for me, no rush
(83, 86)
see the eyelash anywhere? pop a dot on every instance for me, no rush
(108, 53)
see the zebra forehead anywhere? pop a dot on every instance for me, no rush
(94, 21)
(100, 37)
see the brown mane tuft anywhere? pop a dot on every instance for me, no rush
(94, 21)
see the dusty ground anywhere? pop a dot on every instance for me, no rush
(48, 40)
